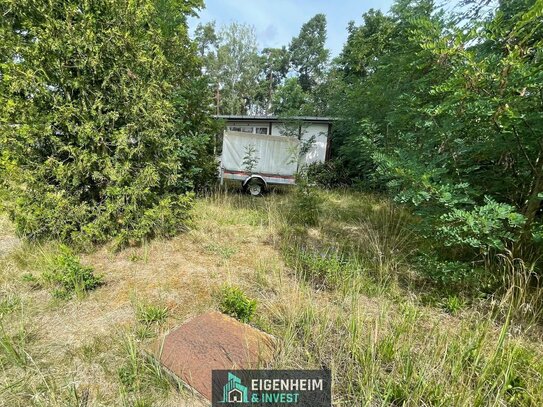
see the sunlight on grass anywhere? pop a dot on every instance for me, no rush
(342, 294)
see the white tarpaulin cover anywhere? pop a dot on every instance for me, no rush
(274, 154)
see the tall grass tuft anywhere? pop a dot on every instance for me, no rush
(141, 373)
(400, 356)
(522, 294)
(13, 348)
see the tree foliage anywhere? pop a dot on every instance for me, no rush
(274, 68)
(246, 80)
(103, 121)
(308, 54)
(446, 114)
(231, 64)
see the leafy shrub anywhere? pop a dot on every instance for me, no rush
(108, 145)
(67, 276)
(485, 227)
(537, 233)
(236, 303)
(328, 174)
(447, 273)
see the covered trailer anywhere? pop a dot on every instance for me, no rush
(259, 151)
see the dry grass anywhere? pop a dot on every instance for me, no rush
(74, 349)
(8, 242)
(383, 346)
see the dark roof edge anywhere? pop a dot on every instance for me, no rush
(276, 118)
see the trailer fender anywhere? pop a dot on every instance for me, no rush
(255, 177)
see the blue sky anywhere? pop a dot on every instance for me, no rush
(277, 21)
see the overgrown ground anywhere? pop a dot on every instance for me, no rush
(339, 294)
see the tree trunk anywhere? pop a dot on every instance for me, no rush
(271, 92)
(533, 202)
(218, 99)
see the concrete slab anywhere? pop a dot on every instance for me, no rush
(212, 341)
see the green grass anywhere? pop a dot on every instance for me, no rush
(358, 302)
(383, 344)
(344, 292)
(139, 373)
(407, 355)
(152, 314)
(224, 251)
(234, 302)
(13, 348)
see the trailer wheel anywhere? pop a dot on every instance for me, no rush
(254, 187)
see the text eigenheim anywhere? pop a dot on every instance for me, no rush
(286, 384)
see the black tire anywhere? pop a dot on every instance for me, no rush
(254, 187)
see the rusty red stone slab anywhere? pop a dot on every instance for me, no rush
(212, 341)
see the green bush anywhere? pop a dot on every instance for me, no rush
(329, 174)
(104, 126)
(67, 276)
(490, 226)
(236, 303)
(305, 206)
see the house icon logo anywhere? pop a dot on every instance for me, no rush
(233, 391)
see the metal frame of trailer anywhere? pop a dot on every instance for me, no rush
(278, 158)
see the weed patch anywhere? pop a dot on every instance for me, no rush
(140, 373)
(67, 276)
(225, 252)
(149, 314)
(234, 302)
